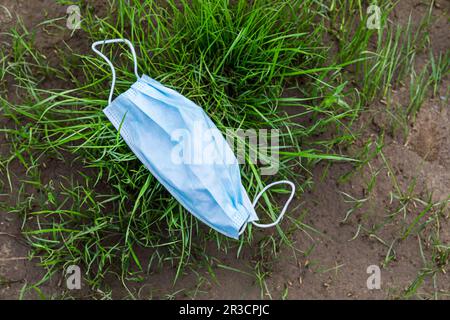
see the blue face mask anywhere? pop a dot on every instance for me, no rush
(147, 116)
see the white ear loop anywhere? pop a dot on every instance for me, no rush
(283, 211)
(113, 70)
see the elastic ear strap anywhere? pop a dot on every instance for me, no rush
(113, 70)
(283, 211)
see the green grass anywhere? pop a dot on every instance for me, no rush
(258, 65)
(234, 60)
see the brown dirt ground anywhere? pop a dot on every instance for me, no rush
(336, 266)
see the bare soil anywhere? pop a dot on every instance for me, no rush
(340, 252)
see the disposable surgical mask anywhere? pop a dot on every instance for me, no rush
(146, 115)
